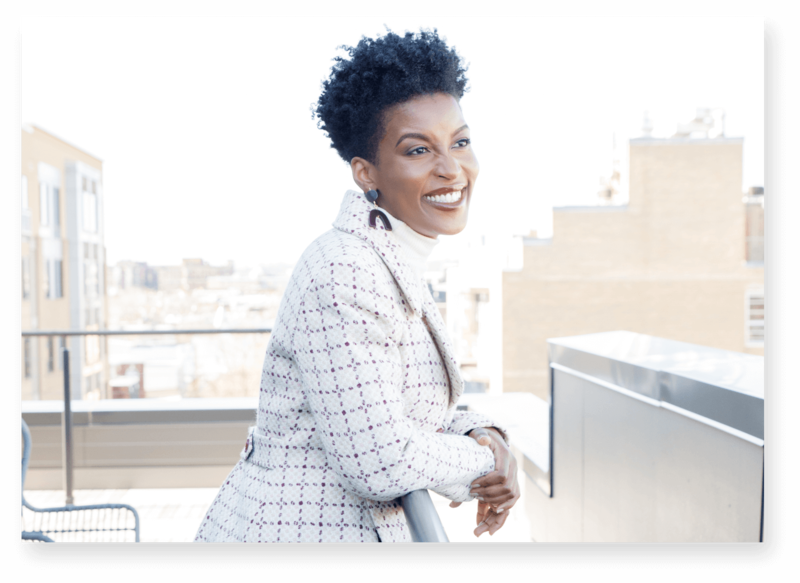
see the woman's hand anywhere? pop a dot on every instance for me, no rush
(498, 490)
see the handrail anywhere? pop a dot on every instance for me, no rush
(67, 415)
(423, 520)
(28, 333)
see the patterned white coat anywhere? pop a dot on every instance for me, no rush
(357, 404)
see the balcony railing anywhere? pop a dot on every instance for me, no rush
(152, 443)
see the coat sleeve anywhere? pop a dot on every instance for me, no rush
(465, 421)
(461, 424)
(349, 362)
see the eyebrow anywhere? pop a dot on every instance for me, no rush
(423, 136)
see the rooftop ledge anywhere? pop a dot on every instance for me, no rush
(646, 141)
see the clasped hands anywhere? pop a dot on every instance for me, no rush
(498, 490)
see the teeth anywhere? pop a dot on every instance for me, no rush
(450, 197)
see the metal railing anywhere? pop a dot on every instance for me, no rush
(423, 520)
(68, 465)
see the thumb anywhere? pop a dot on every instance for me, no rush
(455, 504)
(481, 436)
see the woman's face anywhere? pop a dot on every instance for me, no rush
(425, 168)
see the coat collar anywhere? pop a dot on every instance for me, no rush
(354, 219)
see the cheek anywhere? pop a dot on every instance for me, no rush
(473, 167)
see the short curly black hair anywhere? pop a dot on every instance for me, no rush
(382, 72)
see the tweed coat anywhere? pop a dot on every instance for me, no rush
(357, 403)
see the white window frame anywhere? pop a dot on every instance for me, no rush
(55, 278)
(90, 219)
(749, 321)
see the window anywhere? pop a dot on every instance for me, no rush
(27, 364)
(51, 360)
(754, 318)
(53, 280)
(91, 278)
(55, 208)
(89, 205)
(49, 206)
(26, 278)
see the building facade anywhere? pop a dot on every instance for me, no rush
(63, 266)
(683, 260)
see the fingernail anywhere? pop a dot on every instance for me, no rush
(479, 498)
(499, 510)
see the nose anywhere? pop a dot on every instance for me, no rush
(448, 167)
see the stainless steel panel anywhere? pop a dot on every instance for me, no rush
(564, 517)
(619, 466)
(738, 410)
(708, 485)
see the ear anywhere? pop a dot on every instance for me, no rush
(364, 174)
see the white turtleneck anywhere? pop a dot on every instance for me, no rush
(417, 248)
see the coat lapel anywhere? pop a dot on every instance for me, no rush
(354, 219)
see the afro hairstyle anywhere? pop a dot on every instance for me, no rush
(380, 73)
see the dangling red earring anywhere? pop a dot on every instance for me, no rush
(372, 196)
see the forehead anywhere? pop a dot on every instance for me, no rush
(425, 114)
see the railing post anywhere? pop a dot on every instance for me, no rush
(66, 424)
(423, 520)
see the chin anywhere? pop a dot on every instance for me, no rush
(451, 229)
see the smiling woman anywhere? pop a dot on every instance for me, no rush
(359, 389)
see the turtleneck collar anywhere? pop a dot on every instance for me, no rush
(416, 247)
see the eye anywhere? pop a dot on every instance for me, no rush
(418, 151)
(463, 142)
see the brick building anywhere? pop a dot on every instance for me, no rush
(683, 260)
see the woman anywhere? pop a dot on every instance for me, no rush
(357, 405)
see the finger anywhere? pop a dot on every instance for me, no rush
(498, 524)
(490, 479)
(455, 504)
(486, 524)
(481, 436)
(510, 502)
(483, 510)
(494, 492)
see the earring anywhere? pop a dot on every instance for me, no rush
(374, 214)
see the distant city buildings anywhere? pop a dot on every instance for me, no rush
(192, 295)
(63, 266)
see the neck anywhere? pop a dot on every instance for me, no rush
(416, 247)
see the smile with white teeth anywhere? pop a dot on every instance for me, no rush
(450, 197)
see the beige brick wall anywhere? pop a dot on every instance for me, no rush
(40, 146)
(671, 264)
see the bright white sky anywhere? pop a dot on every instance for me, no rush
(209, 149)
